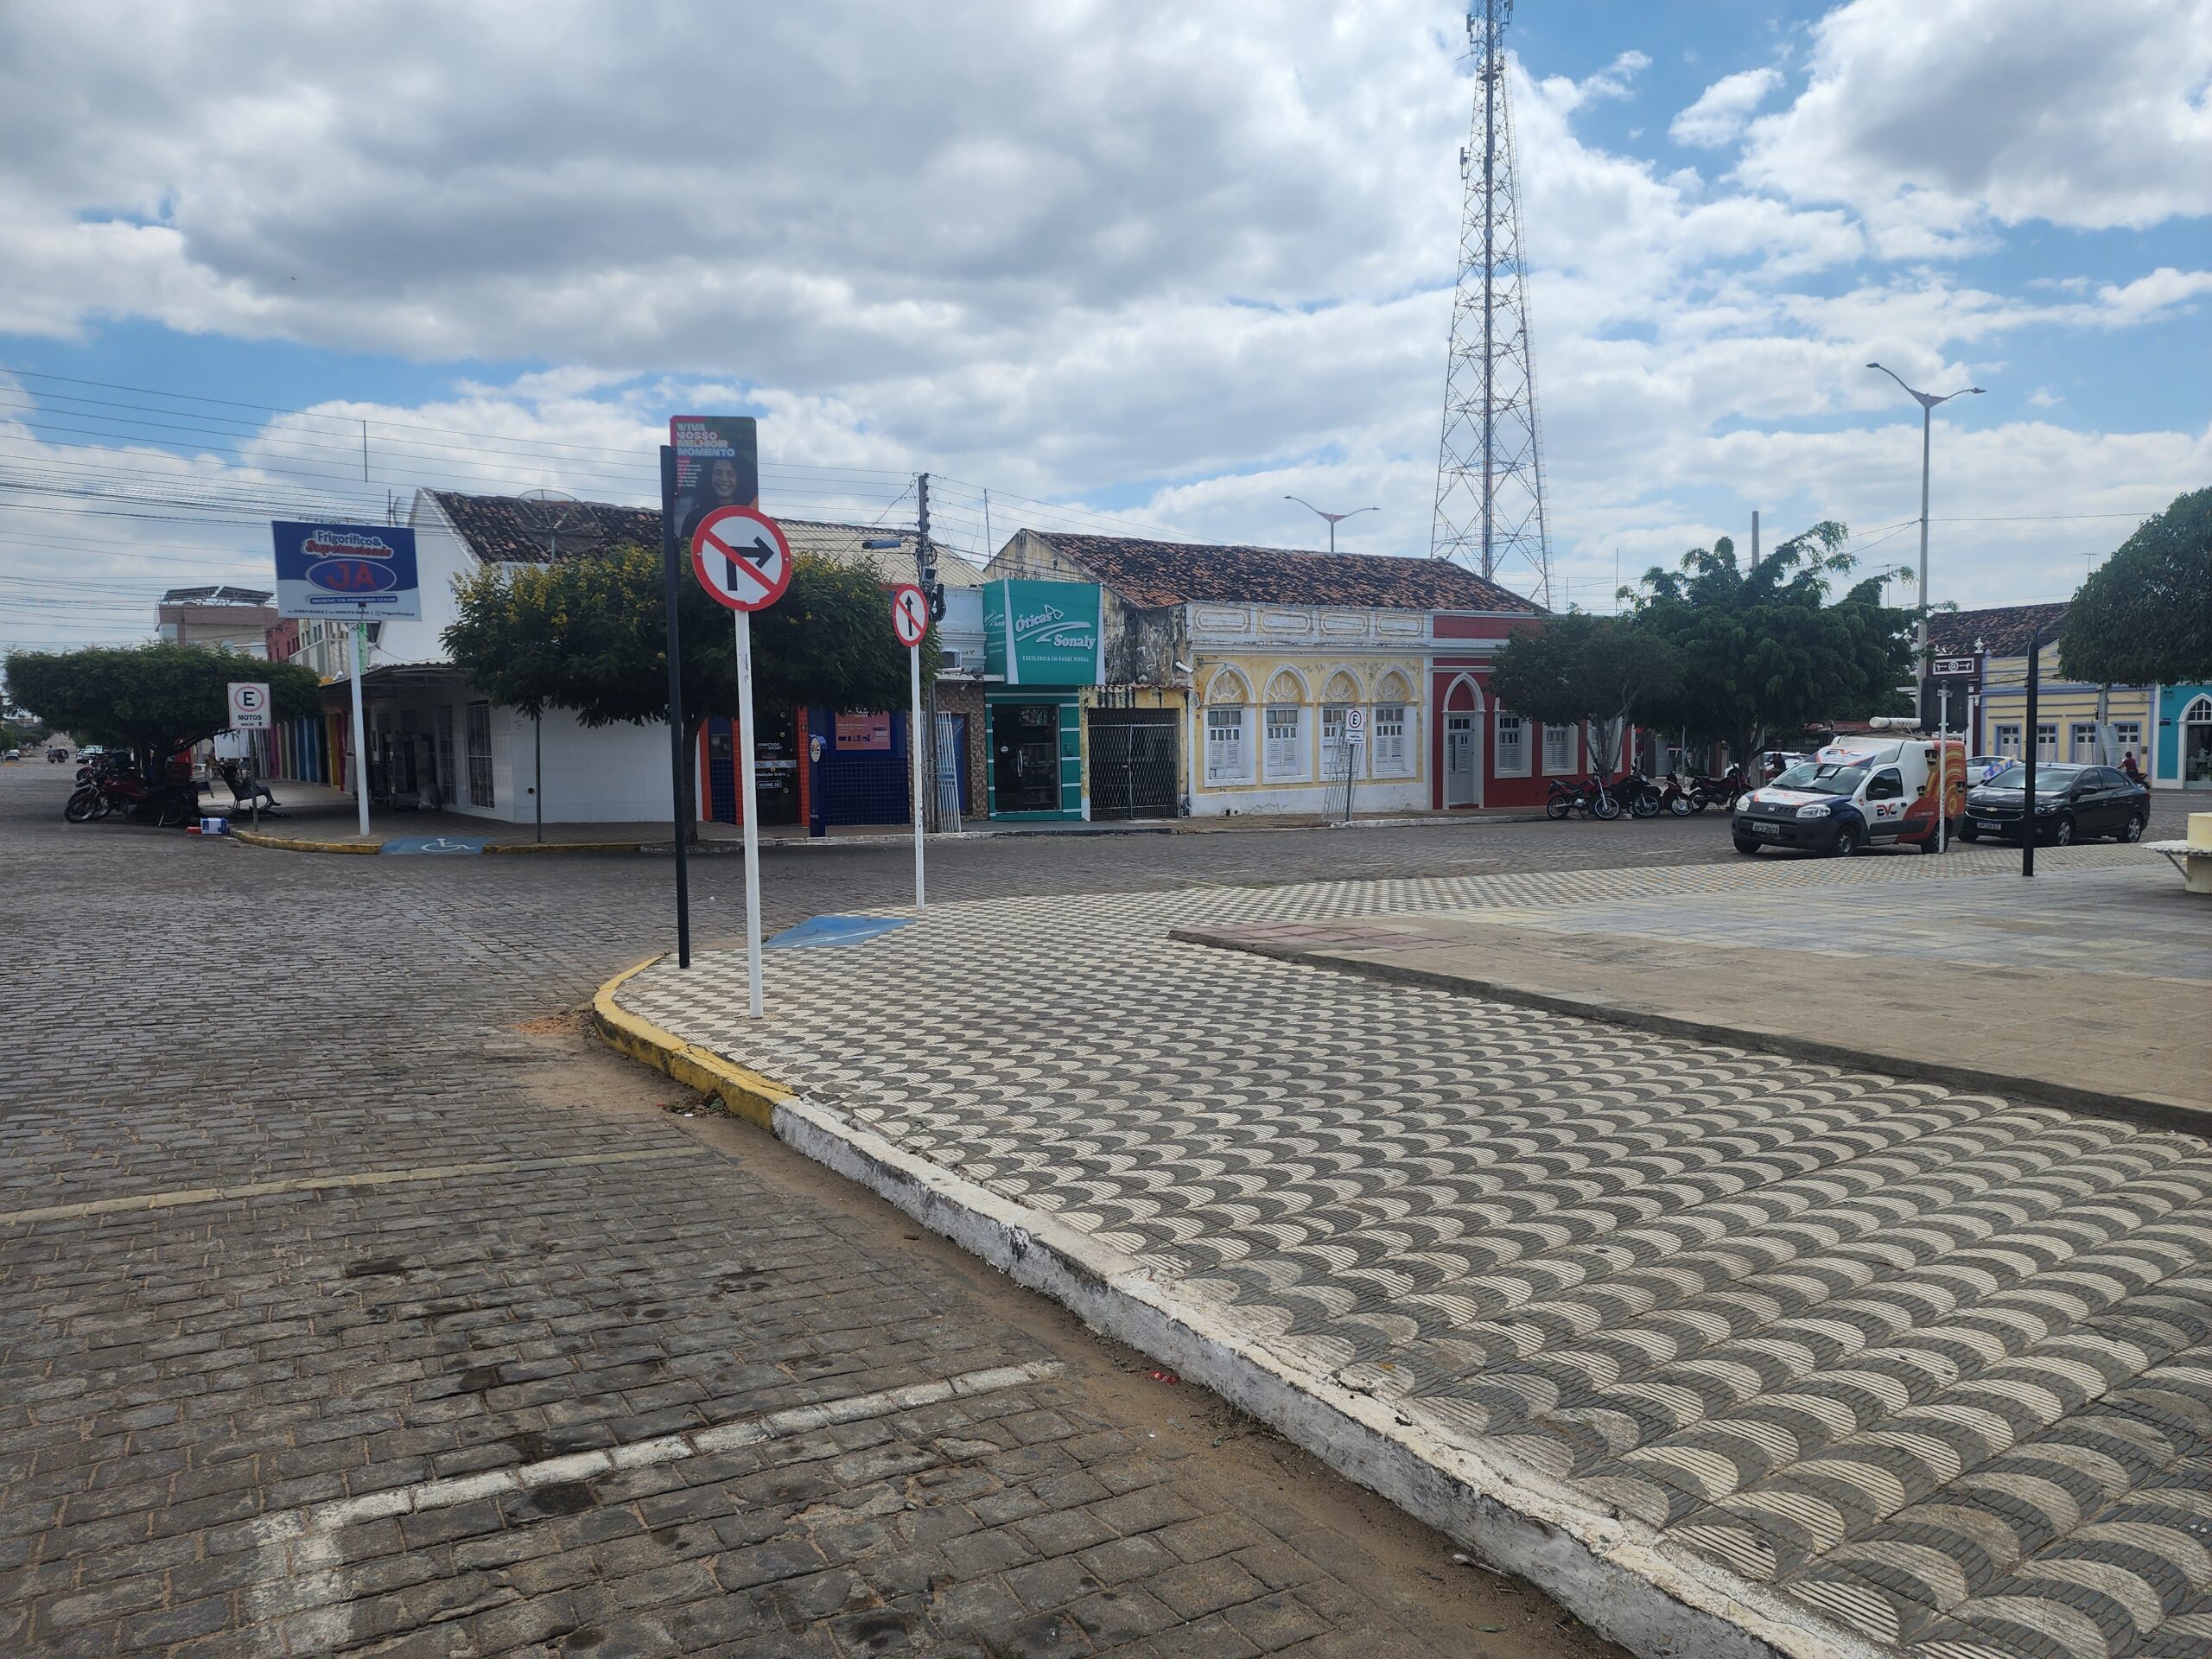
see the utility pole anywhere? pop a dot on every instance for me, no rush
(926, 573)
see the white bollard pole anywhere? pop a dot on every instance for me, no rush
(751, 812)
(360, 736)
(916, 753)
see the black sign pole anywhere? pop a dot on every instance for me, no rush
(2028, 828)
(673, 571)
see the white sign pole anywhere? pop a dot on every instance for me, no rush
(750, 810)
(1943, 767)
(915, 755)
(360, 736)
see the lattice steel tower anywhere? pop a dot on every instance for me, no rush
(1490, 479)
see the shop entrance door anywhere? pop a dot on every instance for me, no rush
(1132, 763)
(1458, 760)
(1026, 756)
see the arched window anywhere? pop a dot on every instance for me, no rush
(1283, 755)
(1229, 749)
(1338, 698)
(2198, 713)
(1391, 740)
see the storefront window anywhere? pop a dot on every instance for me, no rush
(1559, 749)
(1225, 761)
(1285, 741)
(1390, 738)
(1512, 746)
(1335, 757)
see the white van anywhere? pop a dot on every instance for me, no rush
(1876, 790)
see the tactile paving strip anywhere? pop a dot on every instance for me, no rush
(1938, 1365)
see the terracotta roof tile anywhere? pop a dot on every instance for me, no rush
(1175, 573)
(496, 529)
(2003, 629)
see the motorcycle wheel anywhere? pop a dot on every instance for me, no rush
(1646, 805)
(1700, 800)
(1680, 806)
(171, 808)
(1605, 807)
(1558, 807)
(83, 806)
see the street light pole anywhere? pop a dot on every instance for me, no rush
(1928, 401)
(1334, 518)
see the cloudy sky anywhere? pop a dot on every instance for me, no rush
(1111, 262)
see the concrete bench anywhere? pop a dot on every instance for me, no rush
(2193, 857)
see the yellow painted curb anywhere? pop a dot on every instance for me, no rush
(747, 1094)
(295, 844)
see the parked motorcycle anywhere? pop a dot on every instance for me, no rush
(1591, 798)
(1723, 791)
(1676, 797)
(1643, 796)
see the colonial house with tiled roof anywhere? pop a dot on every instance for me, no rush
(2167, 729)
(1234, 679)
(432, 740)
(1988, 660)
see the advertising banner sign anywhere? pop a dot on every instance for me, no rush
(361, 571)
(863, 731)
(717, 465)
(1043, 633)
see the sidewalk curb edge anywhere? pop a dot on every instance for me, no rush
(1612, 1571)
(746, 1094)
(2141, 1111)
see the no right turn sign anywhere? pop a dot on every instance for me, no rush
(740, 558)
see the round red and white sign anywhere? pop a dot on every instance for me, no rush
(910, 613)
(740, 557)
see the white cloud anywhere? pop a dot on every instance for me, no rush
(1190, 260)
(1933, 117)
(1719, 115)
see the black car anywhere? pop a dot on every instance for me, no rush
(2072, 803)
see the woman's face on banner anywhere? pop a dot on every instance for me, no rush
(722, 480)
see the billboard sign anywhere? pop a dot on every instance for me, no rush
(1043, 633)
(717, 465)
(360, 571)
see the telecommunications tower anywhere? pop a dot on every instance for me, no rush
(1489, 482)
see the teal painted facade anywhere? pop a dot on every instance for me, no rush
(2184, 743)
(1032, 748)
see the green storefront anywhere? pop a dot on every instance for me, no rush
(1042, 644)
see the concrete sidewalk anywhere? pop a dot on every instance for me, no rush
(315, 818)
(1731, 1354)
(2086, 989)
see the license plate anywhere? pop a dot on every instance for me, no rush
(1766, 828)
(1985, 823)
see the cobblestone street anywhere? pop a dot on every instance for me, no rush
(352, 1300)
(1855, 1364)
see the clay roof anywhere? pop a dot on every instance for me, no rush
(2004, 629)
(500, 530)
(1175, 573)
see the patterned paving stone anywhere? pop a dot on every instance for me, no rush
(1936, 1366)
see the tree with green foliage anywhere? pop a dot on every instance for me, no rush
(2145, 616)
(155, 699)
(590, 635)
(1764, 653)
(1575, 667)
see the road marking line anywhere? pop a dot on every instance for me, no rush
(301, 1601)
(331, 1183)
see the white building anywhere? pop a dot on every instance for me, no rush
(435, 741)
